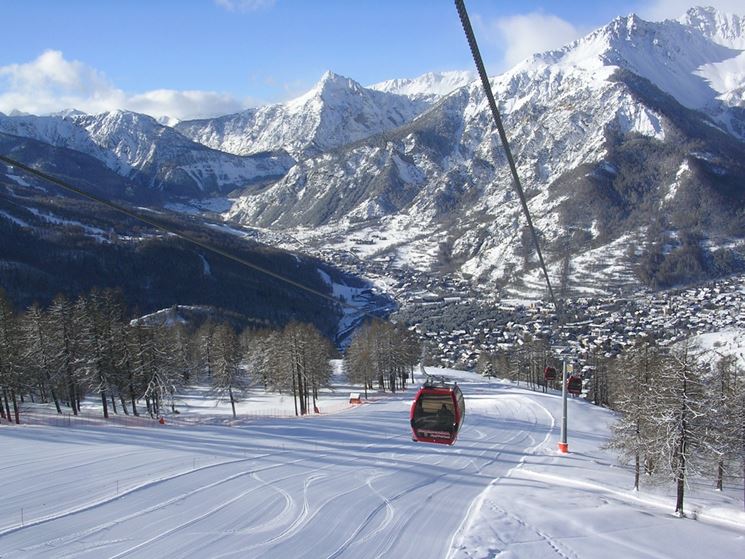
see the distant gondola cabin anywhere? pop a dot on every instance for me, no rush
(437, 413)
(574, 385)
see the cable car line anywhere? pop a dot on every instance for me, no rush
(573, 384)
(184, 236)
(465, 21)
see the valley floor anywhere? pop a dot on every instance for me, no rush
(349, 484)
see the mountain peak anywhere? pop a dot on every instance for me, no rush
(721, 27)
(334, 82)
(330, 87)
(431, 84)
(124, 116)
(330, 77)
(696, 59)
(66, 113)
(625, 27)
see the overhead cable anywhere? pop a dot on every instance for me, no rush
(186, 237)
(466, 22)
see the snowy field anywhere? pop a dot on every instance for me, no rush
(347, 483)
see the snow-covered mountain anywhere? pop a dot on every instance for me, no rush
(166, 120)
(722, 28)
(621, 140)
(54, 244)
(629, 142)
(726, 77)
(428, 87)
(137, 147)
(334, 113)
(695, 59)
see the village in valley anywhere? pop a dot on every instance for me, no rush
(458, 324)
(605, 324)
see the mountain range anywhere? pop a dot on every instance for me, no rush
(147, 154)
(629, 143)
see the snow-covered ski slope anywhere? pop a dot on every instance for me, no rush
(349, 484)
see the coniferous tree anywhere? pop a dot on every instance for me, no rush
(227, 375)
(132, 366)
(289, 358)
(37, 354)
(276, 369)
(317, 367)
(485, 365)
(10, 355)
(385, 355)
(537, 355)
(600, 385)
(359, 358)
(89, 361)
(634, 434)
(256, 354)
(502, 363)
(149, 368)
(678, 415)
(735, 448)
(301, 359)
(725, 418)
(173, 358)
(384, 352)
(109, 305)
(62, 340)
(180, 354)
(203, 339)
(408, 352)
(100, 344)
(518, 363)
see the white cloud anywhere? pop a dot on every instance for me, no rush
(525, 34)
(245, 5)
(51, 83)
(184, 104)
(673, 9)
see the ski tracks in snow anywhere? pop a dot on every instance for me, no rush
(463, 544)
(180, 497)
(357, 498)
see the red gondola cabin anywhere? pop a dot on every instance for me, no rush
(437, 413)
(574, 385)
(549, 374)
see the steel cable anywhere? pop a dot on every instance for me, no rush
(466, 22)
(139, 217)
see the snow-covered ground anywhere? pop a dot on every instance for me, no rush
(347, 484)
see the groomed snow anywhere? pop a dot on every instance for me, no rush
(348, 484)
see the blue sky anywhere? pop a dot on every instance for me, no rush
(190, 58)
